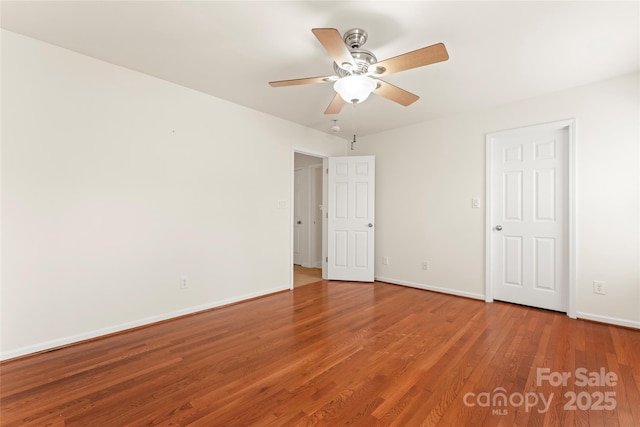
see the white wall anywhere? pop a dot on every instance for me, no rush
(427, 175)
(303, 160)
(115, 184)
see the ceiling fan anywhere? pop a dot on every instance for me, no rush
(358, 71)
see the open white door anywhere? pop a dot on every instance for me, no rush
(350, 221)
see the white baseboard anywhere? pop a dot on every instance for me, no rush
(580, 315)
(431, 288)
(48, 345)
(607, 319)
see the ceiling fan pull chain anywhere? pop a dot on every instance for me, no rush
(353, 123)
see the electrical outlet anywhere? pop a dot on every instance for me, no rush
(598, 287)
(385, 260)
(425, 265)
(184, 282)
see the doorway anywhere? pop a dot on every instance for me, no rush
(530, 208)
(307, 219)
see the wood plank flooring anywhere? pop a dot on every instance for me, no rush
(304, 276)
(337, 354)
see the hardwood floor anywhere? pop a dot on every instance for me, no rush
(304, 276)
(335, 354)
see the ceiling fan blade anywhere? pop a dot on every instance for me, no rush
(336, 105)
(395, 94)
(305, 81)
(332, 41)
(417, 58)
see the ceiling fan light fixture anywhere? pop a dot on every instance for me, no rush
(355, 89)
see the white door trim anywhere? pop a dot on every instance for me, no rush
(570, 124)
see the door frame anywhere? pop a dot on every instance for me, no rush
(292, 170)
(571, 220)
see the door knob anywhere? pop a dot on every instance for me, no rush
(299, 222)
(499, 227)
(369, 225)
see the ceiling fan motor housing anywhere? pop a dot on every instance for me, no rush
(363, 59)
(355, 38)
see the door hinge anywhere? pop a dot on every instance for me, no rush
(327, 171)
(326, 259)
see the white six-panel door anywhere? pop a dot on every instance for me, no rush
(529, 215)
(351, 203)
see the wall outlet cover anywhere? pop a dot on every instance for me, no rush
(598, 287)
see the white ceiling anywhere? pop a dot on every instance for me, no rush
(499, 51)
